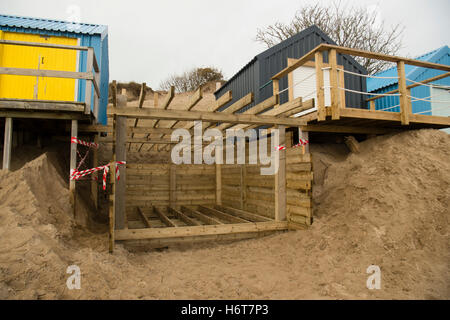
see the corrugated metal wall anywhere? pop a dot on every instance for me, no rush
(256, 75)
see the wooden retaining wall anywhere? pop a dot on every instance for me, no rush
(165, 184)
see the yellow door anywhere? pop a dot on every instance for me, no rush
(42, 88)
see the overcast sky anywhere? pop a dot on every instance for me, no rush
(149, 40)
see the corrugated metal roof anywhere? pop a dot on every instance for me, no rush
(51, 25)
(411, 72)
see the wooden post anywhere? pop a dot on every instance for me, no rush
(218, 184)
(121, 155)
(321, 113)
(73, 164)
(405, 107)
(372, 105)
(88, 93)
(280, 179)
(335, 98)
(304, 135)
(276, 87)
(172, 185)
(7, 144)
(155, 99)
(242, 187)
(94, 182)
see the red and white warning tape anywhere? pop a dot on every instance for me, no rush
(76, 175)
(84, 143)
(299, 144)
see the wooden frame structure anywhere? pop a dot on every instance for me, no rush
(162, 195)
(340, 119)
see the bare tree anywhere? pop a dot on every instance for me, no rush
(193, 79)
(354, 27)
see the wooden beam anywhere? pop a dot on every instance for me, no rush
(162, 233)
(47, 73)
(352, 144)
(195, 98)
(335, 98)
(168, 98)
(164, 218)
(223, 100)
(200, 216)
(114, 93)
(7, 145)
(141, 103)
(346, 129)
(183, 217)
(243, 214)
(221, 215)
(41, 106)
(144, 217)
(320, 91)
(43, 45)
(405, 107)
(280, 179)
(152, 113)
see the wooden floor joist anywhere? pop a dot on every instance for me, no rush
(221, 215)
(165, 233)
(243, 214)
(144, 217)
(200, 216)
(164, 218)
(183, 217)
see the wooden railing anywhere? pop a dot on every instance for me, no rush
(92, 73)
(404, 90)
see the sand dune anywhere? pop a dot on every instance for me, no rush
(388, 206)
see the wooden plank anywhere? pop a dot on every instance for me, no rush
(345, 129)
(40, 105)
(144, 217)
(142, 95)
(244, 214)
(352, 144)
(405, 107)
(280, 179)
(172, 185)
(114, 93)
(335, 98)
(7, 145)
(162, 233)
(321, 115)
(164, 218)
(152, 113)
(43, 45)
(221, 215)
(168, 98)
(200, 216)
(223, 100)
(218, 184)
(368, 114)
(183, 217)
(47, 73)
(275, 87)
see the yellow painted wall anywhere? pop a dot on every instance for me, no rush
(23, 87)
